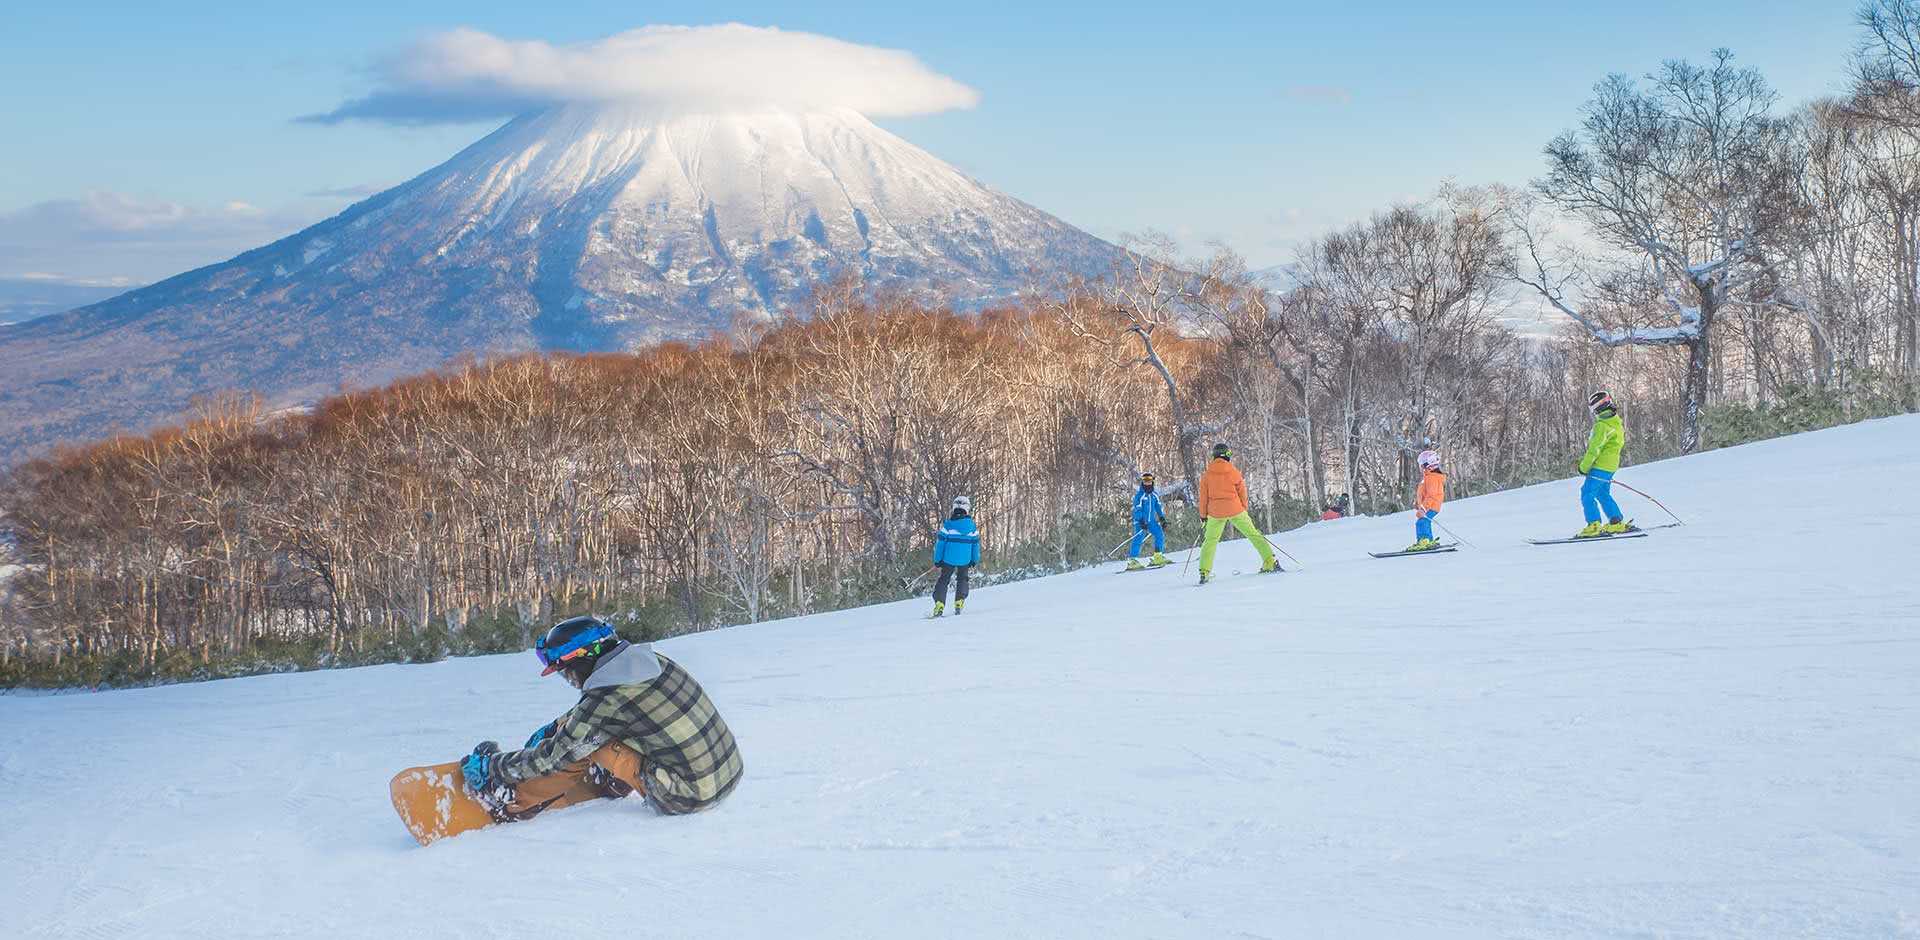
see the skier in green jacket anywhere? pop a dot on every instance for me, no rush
(1600, 463)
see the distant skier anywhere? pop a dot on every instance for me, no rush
(956, 550)
(1426, 502)
(1599, 464)
(1223, 499)
(1149, 518)
(642, 725)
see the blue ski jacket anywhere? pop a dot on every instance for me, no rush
(958, 544)
(1146, 506)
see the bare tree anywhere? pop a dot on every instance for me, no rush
(1887, 93)
(1147, 292)
(1675, 171)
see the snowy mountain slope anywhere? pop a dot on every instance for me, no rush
(581, 228)
(1711, 732)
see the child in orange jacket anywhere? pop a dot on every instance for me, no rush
(1426, 502)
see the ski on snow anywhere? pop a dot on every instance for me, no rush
(1238, 574)
(1142, 568)
(1635, 534)
(1449, 547)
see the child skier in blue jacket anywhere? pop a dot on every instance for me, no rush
(1149, 518)
(955, 550)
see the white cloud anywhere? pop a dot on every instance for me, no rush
(112, 238)
(48, 277)
(468, 75)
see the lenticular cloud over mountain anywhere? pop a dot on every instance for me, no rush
(468, 75)
(597, 225)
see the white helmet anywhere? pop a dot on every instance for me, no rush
(962, 503)
(1429, 459)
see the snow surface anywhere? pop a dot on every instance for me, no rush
(1714, 731)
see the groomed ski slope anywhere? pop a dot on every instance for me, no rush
(1712, 732)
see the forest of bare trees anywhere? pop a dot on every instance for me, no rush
(1730, 269)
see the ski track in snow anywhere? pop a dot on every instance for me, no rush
(1711, 732)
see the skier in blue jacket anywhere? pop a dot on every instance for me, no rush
(955, 550)
(1149, 518)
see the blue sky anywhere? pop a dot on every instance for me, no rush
(137, 141)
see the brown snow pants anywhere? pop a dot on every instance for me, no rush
(612, 771)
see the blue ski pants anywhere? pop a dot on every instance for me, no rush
(1423, 524)
(1596, 497)
(1141, 529)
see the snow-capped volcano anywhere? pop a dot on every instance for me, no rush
(583, 227)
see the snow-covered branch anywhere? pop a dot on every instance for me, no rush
(1553, 292)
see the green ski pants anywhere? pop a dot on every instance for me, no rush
(1244, 523)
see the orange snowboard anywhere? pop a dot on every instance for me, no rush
(433, 802)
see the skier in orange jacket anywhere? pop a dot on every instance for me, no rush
(1426, 502)
(1223, 499)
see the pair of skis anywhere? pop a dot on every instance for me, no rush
(1169, 565)
(1636, 533)
(1437, 550)
(1238, 574)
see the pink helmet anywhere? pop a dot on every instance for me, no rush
(1429, 459)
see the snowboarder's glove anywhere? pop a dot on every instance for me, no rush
(542, 734)
(477, 768)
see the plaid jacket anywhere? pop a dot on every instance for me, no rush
(687, 752)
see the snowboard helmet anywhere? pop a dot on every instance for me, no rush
(1429, 459)
(1222, 452)
(963, 504)
(580, 641)
(1146, 479)
(1600, 402)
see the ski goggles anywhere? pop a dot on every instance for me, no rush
(581, 645)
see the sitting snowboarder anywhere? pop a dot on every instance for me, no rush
(1149, 518)
(642, 725)
(1426, 502)
(955, 551)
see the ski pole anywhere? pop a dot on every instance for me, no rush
(1456, 535)
(1650, 499)
(1276, 547)
(1116, 548)
(1196, 544)
(916, 578)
